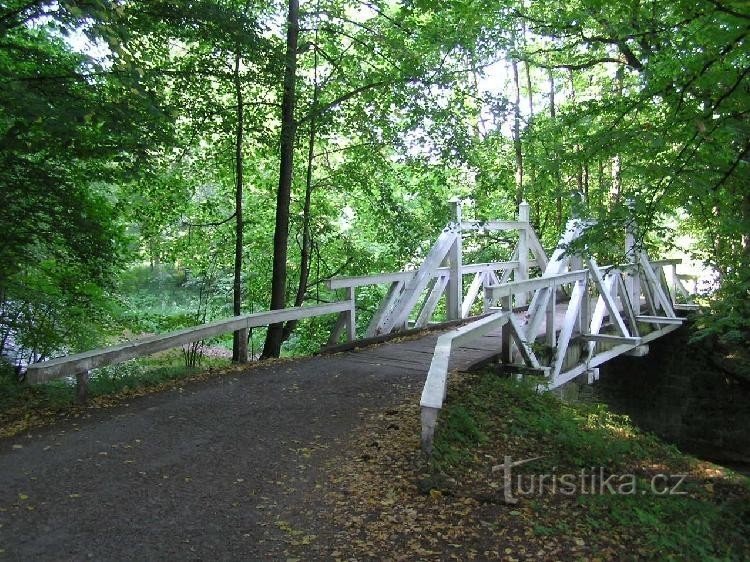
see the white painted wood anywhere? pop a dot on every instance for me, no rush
(660, 319)
(492, 226)
(550, 331)
(506, 340)
(338, 329)
(468, 269)
(665, 262)
(436, 383)
(522, 342)
(567, 328)
(414, 287)
(79, 362)
(505, 276)
(638, 351)
(433, 392)
(522, 272)
(633, 281)
(382, 278)
(536, 249)
(611, 339)
(605, 292)
(665, 303)
(500, 291)
(600, 309)
(472, 292)
(595, 361)
(455, 289)
(431, 302)
(363, 280)
(351, 314)
(385, 306)
(428, 418)
(648, 293)
(538, 310)
(659, 333)
(627, 306)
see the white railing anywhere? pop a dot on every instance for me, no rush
(613, 326)
(436, 384)
(83, 362)
(441, 273)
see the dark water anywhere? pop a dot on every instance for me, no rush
(678, 392)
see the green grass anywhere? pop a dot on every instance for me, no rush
(19, 401)
(487, 417)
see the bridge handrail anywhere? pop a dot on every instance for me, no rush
(82, 362)
(528, 285)
(436, 384)
(381, 278)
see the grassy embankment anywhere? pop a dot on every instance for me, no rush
(459, 509)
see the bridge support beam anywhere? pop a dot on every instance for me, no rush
(522, 273)
(633, 281)
(455, 291)
(429, 418)
(638, 351)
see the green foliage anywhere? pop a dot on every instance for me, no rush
(459, 432)
(677, 527)
(573, 435)
(487, 416)
(648, 124)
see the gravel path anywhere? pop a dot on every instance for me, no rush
(226, 469)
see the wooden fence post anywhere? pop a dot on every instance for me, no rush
(82, 387)
(633, 283)
(506, 341)
(351, 315)
(455, 291)
(522, 273)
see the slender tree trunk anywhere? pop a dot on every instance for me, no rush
(530, 163)
(576, 148)
(517, 134)
(239, 341)
(272, 346)
(306, 250)
(586, 182)
(616, 187)
(556, 175)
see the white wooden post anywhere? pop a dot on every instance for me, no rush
(351, 315)
(506, 345)
(522, 273)
(633, 283)
(576, 263)
(550, 331)
(82, 387)
(455, 292)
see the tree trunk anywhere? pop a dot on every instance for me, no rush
(530, 163)
(306, 250)
(517, 134)
(616, 187)
(239, 342)
(556, 175)
(272, 346)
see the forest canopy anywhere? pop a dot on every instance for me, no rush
(261, 147)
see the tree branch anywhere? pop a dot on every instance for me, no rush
(205, 224)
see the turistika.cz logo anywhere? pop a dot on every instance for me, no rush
(588, 481)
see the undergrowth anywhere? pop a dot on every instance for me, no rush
(487, 417)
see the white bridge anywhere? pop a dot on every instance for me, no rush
(562, 322)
